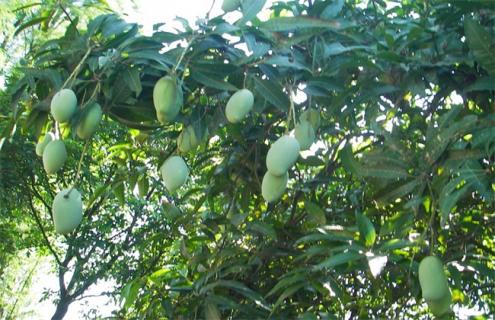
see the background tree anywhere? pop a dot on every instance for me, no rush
(403, 167)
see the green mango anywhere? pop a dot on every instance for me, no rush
(187, 140)
(54, 156)
(230, 5)
(282, 155)
(441, 306)
(305, 134)
(273, 187)
(67, 210)
(174, 173)
(167, 99)
(312, 116)
(432, 279)
(90, 121)
(41, 145)
(239, 104)
(63, 105)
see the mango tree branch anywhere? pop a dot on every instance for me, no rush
(40, 226)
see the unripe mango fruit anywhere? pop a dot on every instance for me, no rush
(63, 105)
(282, 155)
(167, 99)
(305, 134)
(273, 187)
(442, 306)
(187, 140)
(239, 104)
(41, 145)
(174, 173)
(54, 156)
(312, 116)
(90, 121)
(230, 5)
(67, 210)
(432, 279)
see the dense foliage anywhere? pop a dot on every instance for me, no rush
(403, 167)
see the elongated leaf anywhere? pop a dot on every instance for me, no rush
(250, 9)
(332, 10)
(240, 288)
(286, 282)
(481, 43)
(31, 23)
(395, 244)
(384, 172)
(284, 61)
(482, 84)
(348, 160)
(287, 293)
(264, 229)
(212, 82)
(336, 48)
(282, 24)
(211, 312)
(448, 201)
(397, 191)
(131, 78)
(273, 93)
(338, 259)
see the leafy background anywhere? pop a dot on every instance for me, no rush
(403, 167)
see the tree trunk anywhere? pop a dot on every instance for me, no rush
(62, 308)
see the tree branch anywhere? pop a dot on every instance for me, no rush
(40, 226)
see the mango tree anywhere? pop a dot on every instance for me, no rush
(296, 167)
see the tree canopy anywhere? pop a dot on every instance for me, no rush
(402, 100)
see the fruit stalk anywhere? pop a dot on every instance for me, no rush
(76, 69)
(78, 172)
(183, 54)
(292, 112)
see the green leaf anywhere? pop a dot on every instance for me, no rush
(211, 82)
(287, 281)
(130, 292)
(396, 191)
(285, 61)
(384, 172)
(348, 160)
(273, 93)
(240, 288)
(481, 43)
(263, 228)
(367, 232)
(482, 84)
(287, 293)
(212, 312)
(316, 214)
(132, 79)
(281, 24)
(395, 244)
(332, 10)
(448, 201)
(338, 259)
(337, 48)
(250, 9)
(31, 23)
